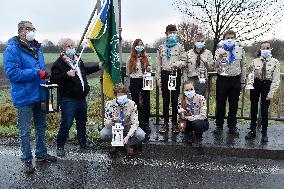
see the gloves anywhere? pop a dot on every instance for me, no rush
(43, 75)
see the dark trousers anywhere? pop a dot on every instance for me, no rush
(200, 88)
(198, 126)
(71, 109)
(261, 89)
(170, 96)
(227, 88)
(136, 89)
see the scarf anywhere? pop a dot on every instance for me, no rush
(198, 59)
(170, 45)
(232, 57)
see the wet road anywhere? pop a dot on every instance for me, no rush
(95, 168)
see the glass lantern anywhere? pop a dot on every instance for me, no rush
(49, 97)
(148, 81)
(223, 65)
(117, 134)
(182, 122)
(172, 82)
(250, 80)
(202, 74)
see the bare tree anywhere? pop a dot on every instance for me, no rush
(249, 18)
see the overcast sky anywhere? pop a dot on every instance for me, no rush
(55, 19)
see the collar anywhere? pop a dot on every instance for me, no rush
(266, 60)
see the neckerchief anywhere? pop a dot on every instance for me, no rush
(232, 57)
(170, 45)
(198, 59)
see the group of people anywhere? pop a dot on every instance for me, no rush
(25, 67)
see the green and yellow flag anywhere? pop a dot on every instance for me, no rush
(104, 40)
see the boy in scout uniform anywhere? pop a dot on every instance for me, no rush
(121, 109)
(169, 63)
(198, 57)
(228, 85)
(267, 79)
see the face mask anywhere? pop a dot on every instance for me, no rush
(30, 35)
(70, 52)
(139, 48)
(121, 100)
(265, 53)
(172, 37)
(189, 94)
(229, 42)
(199, 45)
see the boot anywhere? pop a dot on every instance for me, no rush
(218, 130)
(264, 138)
(164, 128)
(129, 150)
(175, 128)
(250, 135)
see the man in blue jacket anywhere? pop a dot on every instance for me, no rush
(25, 67)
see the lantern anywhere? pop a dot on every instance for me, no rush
(202, 74)
(117, 134)
(49, 97)
(182, 122)
(223, 67)
(172, 82)
(250, 81)
(148, 81)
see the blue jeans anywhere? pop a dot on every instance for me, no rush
(24, 121)
(139, 135)
(70, 109)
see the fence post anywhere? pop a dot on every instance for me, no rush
(157, 104)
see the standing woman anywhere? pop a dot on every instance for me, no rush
(267, 79)
(136, 67)
(198, 57)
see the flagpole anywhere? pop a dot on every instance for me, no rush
(97, 6)
(120, 37)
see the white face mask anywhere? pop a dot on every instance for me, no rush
(30, 36)
(121, 100)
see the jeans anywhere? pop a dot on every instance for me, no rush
(24, 115)
(198, 126)
(70, 109)
(139, 135)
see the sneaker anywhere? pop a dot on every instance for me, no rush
(264, 138)
(234, 131)
(218, 130)
(28, 167)
(175, 128)
(46, 158)
(60, 151)
(164, 128)
(250, 135)
(130, 151)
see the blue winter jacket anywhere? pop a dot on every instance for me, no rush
(22, 69)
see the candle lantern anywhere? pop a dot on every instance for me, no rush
(223, 65)
(148, 81)
(172, 82)
(250, 81)
(202, 74)
(49, 97)
(117, 134)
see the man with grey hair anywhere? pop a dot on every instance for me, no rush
(25, 67)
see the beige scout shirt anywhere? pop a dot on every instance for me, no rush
(272, 72)
(139, 72)
(130, 115)
(200, 110)
(206, 60)
(236, 68)
(163, 63)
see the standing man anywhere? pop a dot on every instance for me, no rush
(25, 67)
(229, 86)
(169, 62)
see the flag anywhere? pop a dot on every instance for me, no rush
(104, 40)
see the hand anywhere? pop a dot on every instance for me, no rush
(223, 54)
(190, 118)
(100, 65)
(43, 75)
(125, 140)
(181, 110)
(148, 69)
(71, 73)
(115, 118)
(174, 65)
(269, 98)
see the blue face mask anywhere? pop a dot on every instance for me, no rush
(122, 100)
(70, 52)
(190, 94)
(199, 45)
(229, 42)
(139, 48)
(265, 53)
(172, 37)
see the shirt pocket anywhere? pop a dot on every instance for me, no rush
(269, 70)
(238, 55)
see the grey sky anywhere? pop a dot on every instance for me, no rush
(56, 19)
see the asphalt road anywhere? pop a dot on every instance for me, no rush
(95, 168)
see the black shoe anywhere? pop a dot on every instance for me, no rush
(218, 130)
(264, 138)
(250, 135)
(234, 131)
(60, 151)
(28, 167)
(83, 145)
(46, 158)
